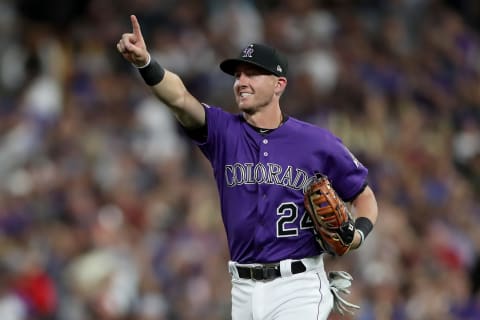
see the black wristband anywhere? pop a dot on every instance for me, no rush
(153, 73)
(364, 225)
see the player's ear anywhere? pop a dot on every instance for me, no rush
(281, 84)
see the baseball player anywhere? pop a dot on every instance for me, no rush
(262, 159)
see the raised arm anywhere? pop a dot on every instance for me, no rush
(167, 86)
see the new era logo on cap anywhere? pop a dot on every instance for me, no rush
(260, 55)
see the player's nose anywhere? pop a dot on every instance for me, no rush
(241, 80)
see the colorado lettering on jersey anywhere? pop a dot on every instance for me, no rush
(269, 173)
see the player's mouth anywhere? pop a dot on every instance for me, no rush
(244, 95)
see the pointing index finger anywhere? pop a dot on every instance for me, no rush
(136, 27)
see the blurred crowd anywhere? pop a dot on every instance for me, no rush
(108, 212)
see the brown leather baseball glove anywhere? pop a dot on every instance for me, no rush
(332, 220)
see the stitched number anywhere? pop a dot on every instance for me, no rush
(306, 222)
(288, 213)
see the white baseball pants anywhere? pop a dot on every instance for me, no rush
(303, 295)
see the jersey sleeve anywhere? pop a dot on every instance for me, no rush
(217, 121)
(347, 174)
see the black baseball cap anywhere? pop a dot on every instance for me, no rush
(259, 55)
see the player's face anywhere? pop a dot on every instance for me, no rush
(254, 88)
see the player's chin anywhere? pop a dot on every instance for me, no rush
(248, 109)
(243, 104)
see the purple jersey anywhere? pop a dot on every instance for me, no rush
(260, 180)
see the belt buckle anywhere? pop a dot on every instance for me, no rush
(257, 273)
(264, 272)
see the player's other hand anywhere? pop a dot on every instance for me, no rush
(132, 45)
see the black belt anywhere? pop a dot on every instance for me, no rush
(268, 272)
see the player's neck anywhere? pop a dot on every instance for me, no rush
(265, 119)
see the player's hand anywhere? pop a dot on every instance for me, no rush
(132, 46)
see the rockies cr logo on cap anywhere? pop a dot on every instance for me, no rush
(248, 52)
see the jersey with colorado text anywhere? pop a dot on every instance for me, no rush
(260, 180)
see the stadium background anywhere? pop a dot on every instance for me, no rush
(107, 212)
